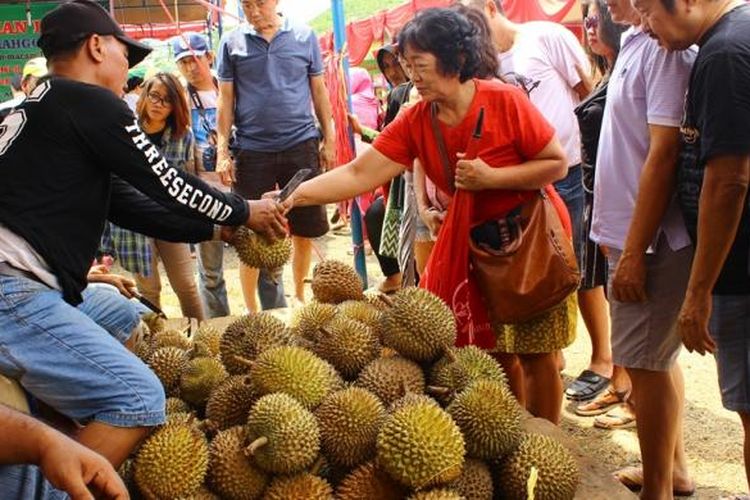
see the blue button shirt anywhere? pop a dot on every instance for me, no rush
(273, 107)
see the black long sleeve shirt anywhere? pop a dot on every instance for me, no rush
(58, 151)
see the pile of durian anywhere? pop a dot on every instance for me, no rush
(359, 397)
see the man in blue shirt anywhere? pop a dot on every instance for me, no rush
(194, 59)
(270, 70)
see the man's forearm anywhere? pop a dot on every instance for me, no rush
(22, 437)
(720, 210)
(224, 119)
(323, 110)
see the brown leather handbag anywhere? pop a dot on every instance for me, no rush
(534, 268)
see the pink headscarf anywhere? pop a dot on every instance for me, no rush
(364, 103)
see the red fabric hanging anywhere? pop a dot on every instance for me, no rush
(335, 84)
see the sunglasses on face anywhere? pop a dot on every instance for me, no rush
(155, 98)
(591, 22)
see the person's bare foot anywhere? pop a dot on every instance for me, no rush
(632, 478)
(390, 284)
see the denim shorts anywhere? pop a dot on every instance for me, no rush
(26, 482)
(571, 191)
(109, 309)
(730, 329)
(62, 357)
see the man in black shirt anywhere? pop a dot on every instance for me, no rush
(59, 150)
(713, 184)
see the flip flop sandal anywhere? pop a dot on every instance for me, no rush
(632, 479)
(587, 386)
(606, 401)
(615, 419)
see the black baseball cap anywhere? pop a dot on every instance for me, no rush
(73, 21)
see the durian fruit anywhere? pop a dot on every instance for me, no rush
(199, 378)
(182, 418)
(391, 378)
(369, 482)
(421, 447)
(349, 422)
(284, 437)
(557, 470)
(294, 371)
(307, 320)
(361, 311)
(230, 473)
(461, 366)
(334, 282)
(304, 486)
(409, 399)
(176, 405)
(247, 337)
(172, 462)
(438, 494)
(419, 325)
(154, 322)
(201, 494)
(376, 299)
(168, 363)
(171, 338)
(126, 472)
(475, 481)
(489, 417)
(230, 402)
(207, 342)
(347, 344)
(255, 250)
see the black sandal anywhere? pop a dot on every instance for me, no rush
(588, 385)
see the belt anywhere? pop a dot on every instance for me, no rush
(8, 270)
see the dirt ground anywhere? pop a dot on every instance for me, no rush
(713, 435)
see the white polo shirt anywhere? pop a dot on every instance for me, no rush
(647, 87)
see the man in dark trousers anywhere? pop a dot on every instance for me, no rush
(58, 153)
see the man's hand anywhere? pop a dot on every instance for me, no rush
(126, 286)
(225, 167)
(629, 283)
(328, 154)
(433, 219)
(472, 175)
(78, 471)
(267, 218)
(692, 324)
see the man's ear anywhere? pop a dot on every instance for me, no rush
(95, 48)
(490, 8)
(211, 58)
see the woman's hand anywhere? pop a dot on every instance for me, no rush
(433, 219)
(355, 124)
(472, 175)
(225, 167)
(124, 285)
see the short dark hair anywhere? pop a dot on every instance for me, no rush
(66, 51)
(610, 33)
(447, 35)
(488, 67)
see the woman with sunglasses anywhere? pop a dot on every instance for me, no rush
(603, 42)
(164, 115)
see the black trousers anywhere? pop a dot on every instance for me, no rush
(374, 223)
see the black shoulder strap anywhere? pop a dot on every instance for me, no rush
(447, 170)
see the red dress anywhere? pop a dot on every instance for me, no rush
(514, 132)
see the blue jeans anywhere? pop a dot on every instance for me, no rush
(730, 329)
(64, 358)
(26, 482)
(211, 285)
(109, 309)
(571, 191)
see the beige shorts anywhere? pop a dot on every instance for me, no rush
(644, 334)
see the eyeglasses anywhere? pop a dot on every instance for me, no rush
(591, 22)
(155, 98)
